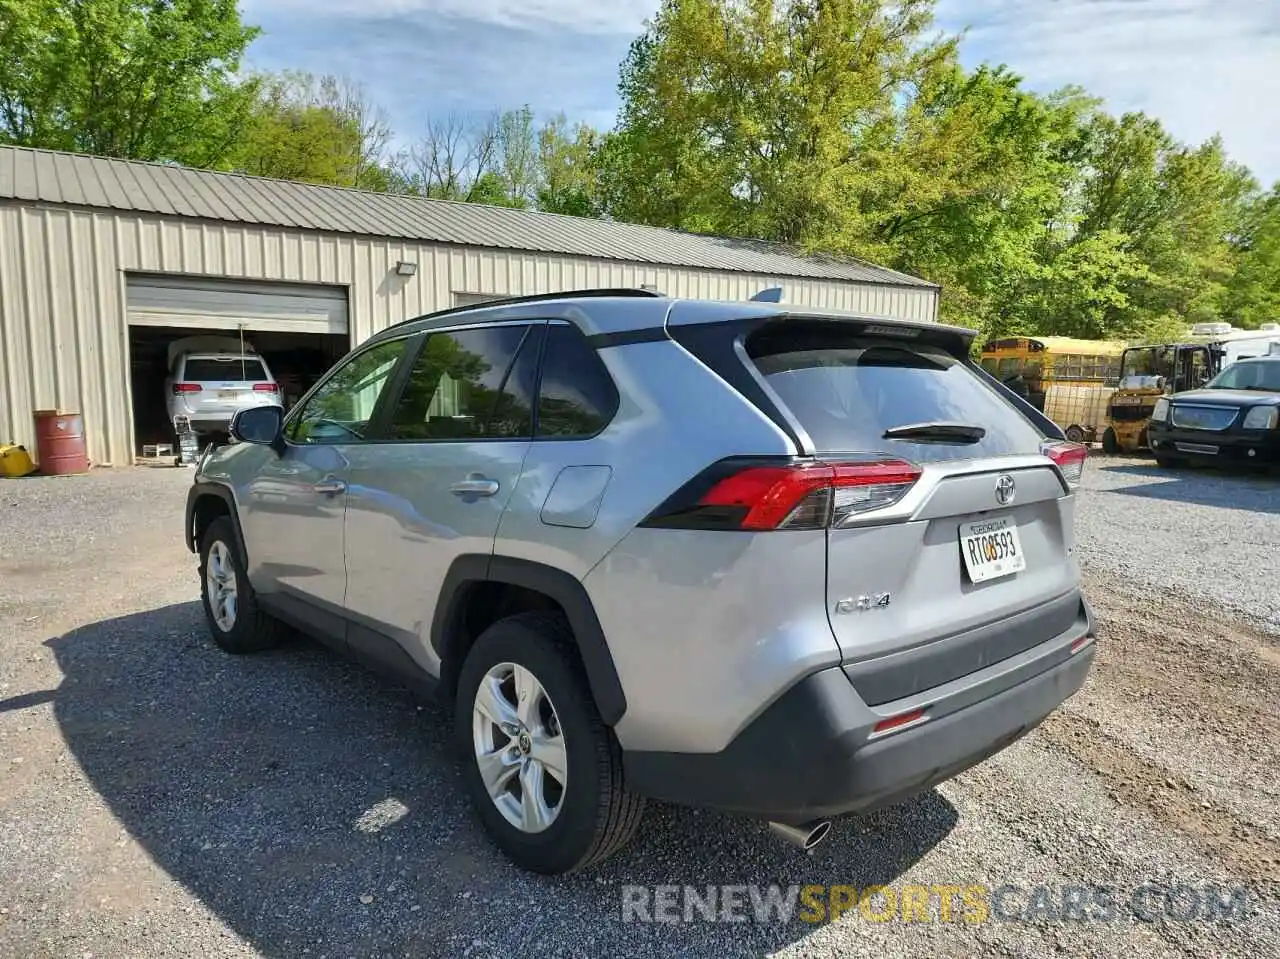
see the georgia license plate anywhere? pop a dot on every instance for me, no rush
(991, 549)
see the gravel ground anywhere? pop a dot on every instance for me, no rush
(158, 798)
(1206, 534)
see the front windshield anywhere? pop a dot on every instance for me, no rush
(1167, 367)
(1147, 362)
(1249, 375)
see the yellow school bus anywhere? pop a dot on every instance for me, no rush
(1069, 380)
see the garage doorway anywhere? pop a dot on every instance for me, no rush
(299, 331)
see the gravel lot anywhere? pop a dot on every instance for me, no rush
(158, 798)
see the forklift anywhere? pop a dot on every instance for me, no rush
(1146, 374)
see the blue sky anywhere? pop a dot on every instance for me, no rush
(1202, 66)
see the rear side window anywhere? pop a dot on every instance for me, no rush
(578, 398)
(246, 369)
(469, 384)
(847, 391)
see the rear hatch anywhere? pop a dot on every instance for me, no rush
(957, 553)
(216, 385)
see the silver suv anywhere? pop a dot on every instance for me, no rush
(770, 560)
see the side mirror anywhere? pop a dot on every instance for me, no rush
(258, 424)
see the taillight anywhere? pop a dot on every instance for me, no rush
(265, 387)
(1069, 458)
(186, 388)
(794, 495)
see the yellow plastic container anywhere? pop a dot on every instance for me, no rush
(15, 461)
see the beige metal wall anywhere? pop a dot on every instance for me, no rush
(64, 338)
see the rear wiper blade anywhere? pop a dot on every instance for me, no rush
(936, 433)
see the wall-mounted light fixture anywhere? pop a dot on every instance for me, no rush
(406, 268)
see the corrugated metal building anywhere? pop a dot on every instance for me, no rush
(102, 262)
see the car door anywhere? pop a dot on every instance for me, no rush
(293, 510)
(436, 483)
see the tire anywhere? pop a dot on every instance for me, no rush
(1075, 434)
(247, 629)
(593, 812)
(1169, 462)
(1109, 442)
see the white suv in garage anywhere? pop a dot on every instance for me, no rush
(209, 383)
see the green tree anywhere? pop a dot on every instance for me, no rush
(1177, 208)
(970, 194)
(848, 126)
(1252, 294)
(567, 169)
(321, 130)
(762, 119)
(143, 79)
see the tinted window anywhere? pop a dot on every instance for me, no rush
(577, 397)
(233, 368)
(464, 385)
(340, 410)
(846, 391)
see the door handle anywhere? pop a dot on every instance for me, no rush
(475, 486)
(330, 487)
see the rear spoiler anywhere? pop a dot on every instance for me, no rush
(957, 340)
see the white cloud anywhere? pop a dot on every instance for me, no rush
(579, 16)
(1201, 66)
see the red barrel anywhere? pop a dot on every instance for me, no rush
(60, 445)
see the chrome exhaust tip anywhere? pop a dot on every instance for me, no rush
(805, 836)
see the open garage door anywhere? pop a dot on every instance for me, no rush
(196, 303)
(299, 331)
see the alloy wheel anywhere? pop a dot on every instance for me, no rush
(519, 747)
(220, 586)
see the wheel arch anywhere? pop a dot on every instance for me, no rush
(206, 502)
(466, 583)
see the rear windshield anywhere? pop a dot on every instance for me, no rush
(246, 369)
(847, 391)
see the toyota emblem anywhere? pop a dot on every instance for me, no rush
(1006, 489)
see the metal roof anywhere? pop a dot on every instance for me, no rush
(47, 176)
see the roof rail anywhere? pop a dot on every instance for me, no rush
(532, 298)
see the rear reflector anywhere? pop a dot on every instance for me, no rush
(1069, 458)
(265, 387)
(1081, 643)
(789, 495)
(186, 388)
(895, 722)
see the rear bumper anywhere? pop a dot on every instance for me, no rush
(813, 753)
(1233, 446)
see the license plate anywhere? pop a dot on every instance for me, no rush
(991, 549)
(228, 394)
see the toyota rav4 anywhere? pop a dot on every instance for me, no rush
(765, 559)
